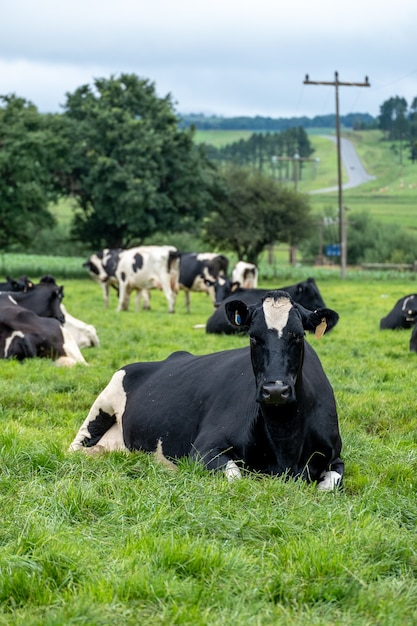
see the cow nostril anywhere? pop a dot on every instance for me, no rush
(276, 393)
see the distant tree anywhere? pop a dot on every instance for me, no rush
(131, 169)
(28, 147)
(393, 118)
(413, 131)
(256, 212)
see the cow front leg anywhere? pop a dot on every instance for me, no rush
(104, 415)
(218, 459)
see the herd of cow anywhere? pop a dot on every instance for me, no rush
(267, 408)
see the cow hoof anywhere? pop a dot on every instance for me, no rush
(329, 481)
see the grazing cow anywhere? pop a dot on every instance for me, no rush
(305, 293)
(102, 268)
(403, 315)
(148, 267)
(24, 334)
(16, 284)
(199, 272)
(276, 414)
(44, 299)
(246, 274)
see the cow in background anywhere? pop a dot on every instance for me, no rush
(246, 274)
(102, 268)
(304, 292)
(16, 284)
(402, 315)
(275, 415)
(148, 267)
(24, 334)
(199, 272)
(44, 299)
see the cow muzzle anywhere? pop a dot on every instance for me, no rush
(276, 393)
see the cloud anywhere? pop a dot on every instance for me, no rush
(223, 57)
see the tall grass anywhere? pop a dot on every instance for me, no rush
(119, 539)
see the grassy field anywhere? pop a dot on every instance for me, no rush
(390, 198)
(118, 539)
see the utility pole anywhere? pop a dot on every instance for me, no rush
(342, 226)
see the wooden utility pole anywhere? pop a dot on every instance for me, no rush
(342, 226)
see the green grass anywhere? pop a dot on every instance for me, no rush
(119, 539)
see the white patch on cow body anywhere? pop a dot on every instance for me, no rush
(329, 480)
(276, 313)
(232, 471)
(70, 347)
(112, 400)
(9, 341)
(85, 335)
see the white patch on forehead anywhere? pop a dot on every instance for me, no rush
(276, 313)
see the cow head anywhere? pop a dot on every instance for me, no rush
(308, 292)
(95, 267)
(276, 328)
(224, 287)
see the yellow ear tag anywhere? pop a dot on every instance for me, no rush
(320, 329)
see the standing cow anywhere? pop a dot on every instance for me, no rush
(148, 267)
(199, 272)
(276, 414)
(102, 268)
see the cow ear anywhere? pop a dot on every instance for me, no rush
(319, 321)
(234, 286)
(237, 313)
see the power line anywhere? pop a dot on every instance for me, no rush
(342, 226)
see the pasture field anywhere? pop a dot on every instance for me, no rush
(390, 198)
(119, 539)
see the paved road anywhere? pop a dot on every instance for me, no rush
(357, 175)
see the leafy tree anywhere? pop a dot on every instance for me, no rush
(393, 118)
(132, 170)
(28, 147)
(255, 212)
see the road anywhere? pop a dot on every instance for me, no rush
(357, 175)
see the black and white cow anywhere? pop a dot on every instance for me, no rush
(246, 274)
(24, 334)
(102, 268)
(304, 292)
(199, 272)
(403, 314)
(148, 267)
(44, 299)
(276, 414)
(16, 284)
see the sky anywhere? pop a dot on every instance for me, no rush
(218, 57)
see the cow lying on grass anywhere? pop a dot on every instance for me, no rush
(24, 334)
(268, 408)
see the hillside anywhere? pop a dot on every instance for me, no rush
(390, 198)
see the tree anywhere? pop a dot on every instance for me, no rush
(131, 169)
(28, 145)
(255, 212)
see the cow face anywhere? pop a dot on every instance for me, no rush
(95, 267)
(276, 330)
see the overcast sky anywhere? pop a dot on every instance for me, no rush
(221, 57)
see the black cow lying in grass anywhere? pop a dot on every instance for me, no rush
(268, 408)
(24, 334)
(304, 292)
